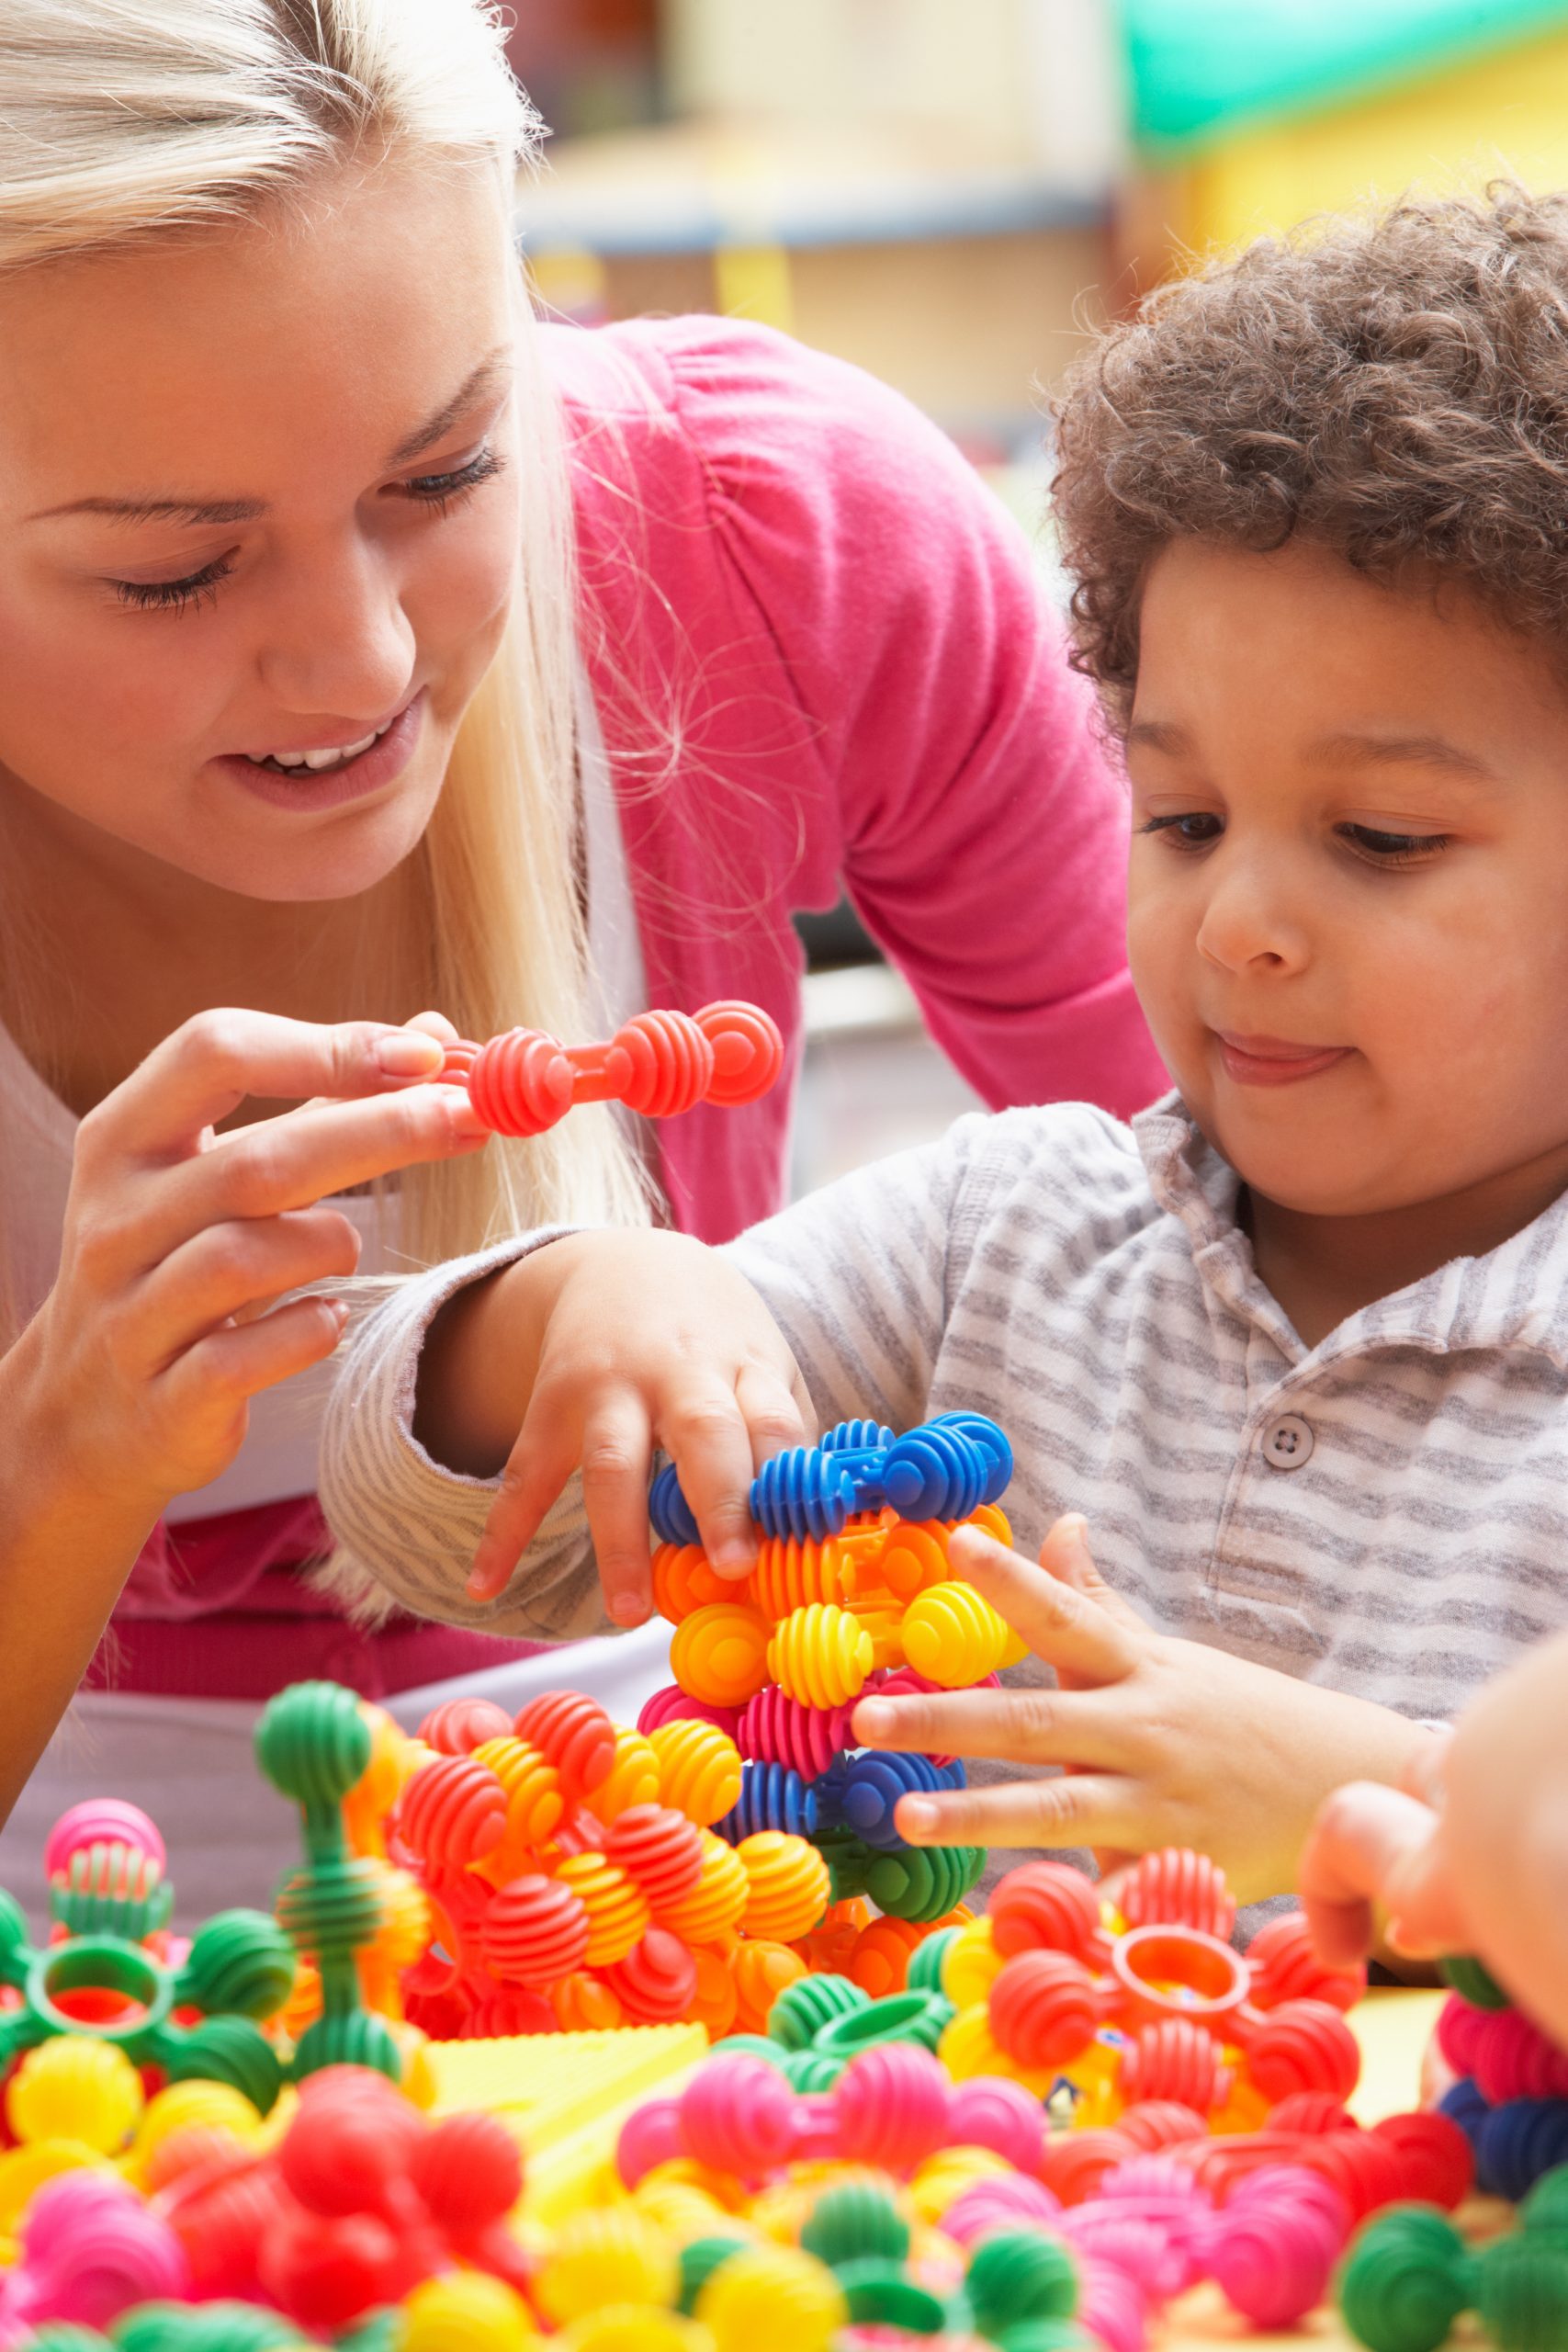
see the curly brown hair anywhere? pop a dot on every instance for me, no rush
(1397, 390)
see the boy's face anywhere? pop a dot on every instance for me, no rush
(1348, 919)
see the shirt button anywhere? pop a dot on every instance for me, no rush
(1288, 1442)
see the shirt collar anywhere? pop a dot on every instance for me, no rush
(1513, 1296)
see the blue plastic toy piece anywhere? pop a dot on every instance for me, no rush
(673, 1517)
(802, 1493)
(858, 1437)
(772, 1797)
(876, 1780)
(1519, 2141)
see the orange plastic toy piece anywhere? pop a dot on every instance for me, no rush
(720, 1653)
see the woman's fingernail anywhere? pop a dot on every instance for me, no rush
(408, 1053)
(466, 1120)
(875, 1718)
(917, 1817)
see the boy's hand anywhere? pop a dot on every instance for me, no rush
(1163, 1742)
(1375, 1849)
(630, 1341)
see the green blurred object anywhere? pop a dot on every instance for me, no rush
(804, 2008)
(1406, 2281)
(1016, 2276)
(1473, 1983)
(857, 2222)
(699, 2259)
(1198, 68)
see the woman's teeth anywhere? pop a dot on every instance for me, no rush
(315, 761)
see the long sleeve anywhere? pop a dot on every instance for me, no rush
(408, 1528)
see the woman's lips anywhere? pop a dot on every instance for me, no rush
(1273, 1061)
(305, 790)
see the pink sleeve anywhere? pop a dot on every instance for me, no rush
(982, 834)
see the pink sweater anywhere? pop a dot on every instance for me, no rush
(818, 654)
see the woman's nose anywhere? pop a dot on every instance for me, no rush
(339, 643)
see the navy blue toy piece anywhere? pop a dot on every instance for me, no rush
(875, 1781)
(772, 1797)
(944, 1469)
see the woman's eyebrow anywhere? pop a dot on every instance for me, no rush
(190, 513)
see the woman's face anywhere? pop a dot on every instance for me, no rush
(259, 495)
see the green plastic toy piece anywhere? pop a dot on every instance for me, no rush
(1523, 2299)
(1406, 2281)
(925, 1961)
(1016, 2276)
(809, 2070)
(1544, 2213)
(803, 2008)
(879, 2294)
(205, 2327)
(64, 2335)
(699, 2259)
(755, 2045)
(313, 1744)
(1473, 1982)
(924, 1882)
(1044, 2336)
(849, 1861)
(898, 2017)
(857, 2222)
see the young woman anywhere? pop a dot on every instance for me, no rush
(369, 647)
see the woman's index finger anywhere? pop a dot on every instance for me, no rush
(206, 1067)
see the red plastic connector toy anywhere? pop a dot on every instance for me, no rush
(659, 1063)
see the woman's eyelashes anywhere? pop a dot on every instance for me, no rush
(437, 493)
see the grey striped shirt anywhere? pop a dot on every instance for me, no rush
(1385, 1513)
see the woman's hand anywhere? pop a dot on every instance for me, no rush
(1162, 1742)
(616, 1343)
(133, 1379)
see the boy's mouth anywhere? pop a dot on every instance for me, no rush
(1273, 1061)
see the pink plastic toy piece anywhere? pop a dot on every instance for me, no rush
(775, 1729)
(102, 1821)
(816, 2136)
(1273, 2258)
(1511, 2058)
(1156, 2258)
(739, 2116)
(659, 1064)
(650, 2135)
(91, 2249)
(1297, 2186)
(1159, 2187)
(988, 2112)
(1161, 2124)
(1075, 2162)
(1112, 2307)
(1459, 2032)
(999, 2204)
(893, 2105)
(671, 1705)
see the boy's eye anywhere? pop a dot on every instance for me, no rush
(1392, 849)
(1190, 829)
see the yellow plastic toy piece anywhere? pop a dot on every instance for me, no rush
(619, 1916)
(23, 2172)
(634, 1777)
(75, 2088)
(585, 2004)
(953, 1636)
(821, 1655)
(721, 2189)
(192, 2106)
(611, 2254)
(781, 2211)
(303, 2006)
(717, 1905)
(533, 1806)
(992, 1520)
(405, 1933)
(762, 1971)
(679, 2207)
(968, 2048)
(773, 2299)
(942, 2179)
(394, 1760)
(465, 2311)
(719, 1654)
(699, 1770)
(971, 1964)
(635, 2327)
(789, 1885)
(684, 1581)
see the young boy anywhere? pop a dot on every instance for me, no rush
(1296, 1345)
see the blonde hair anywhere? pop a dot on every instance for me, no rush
(126, 121)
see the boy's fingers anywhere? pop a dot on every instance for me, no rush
(1072, 1809)
(706, 1435)
(1066, 1555)
(1013, 1726)
(1363, 1837)
(535, 1470)
(617, 1447)
(776, 1411)
(1059, 1623)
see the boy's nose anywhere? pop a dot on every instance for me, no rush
(1248, 920)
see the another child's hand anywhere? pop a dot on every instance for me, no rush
(632, 1341)
(132, 1382)
(1374, 1848)
(1163, 1742)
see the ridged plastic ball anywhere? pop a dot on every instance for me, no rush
(789, 1886)
(773, 2299)
(820, 1654)
(953, 1636)
(699, 1770)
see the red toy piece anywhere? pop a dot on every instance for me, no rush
(659, 1063)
